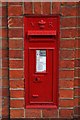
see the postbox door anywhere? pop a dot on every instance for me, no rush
(41, 69)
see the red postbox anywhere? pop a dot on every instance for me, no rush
(41, 44)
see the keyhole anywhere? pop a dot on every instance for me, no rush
(36, 79)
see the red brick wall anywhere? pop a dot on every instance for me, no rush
(77, 68)
(5, 60)
(69, 59)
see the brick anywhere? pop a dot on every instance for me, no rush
(69, 4)
(37, 7)
(3, 32)
(67, 54)
(5, 44)
(77, 82)
(16, 44)
(46, 7)
(76, 101)
(0, 54)
(0, 82)
(0, 48)
(4, 53)
(14, 3)
(0, 90)
(77, 110)
(77, 91)
(77, 43)
(78, 30)
(78, 21)
(16, 33)
(66, 93)
(5, 112)
(33, 113)
(66, 74)
(0, 103)
(0, 72)
(66, 64)
(15, 10)
(77, 63)
(50, 113)
(68, 22)
(5, 82)
(16, 64)
(16, 54)
(0, 22)
(4, 3)
(16, 113)
(0, 75)
(68, 11)
(0, 11)
(3, 11)
(4, 22)
(16, 74)
(15, 22)
(27, 7)
(66, 83)
(16, 94)
(78, 9)
(5, 63)
(66, 103)
(56, 7)
(16, 103)
(77, 53)
(5, 92)
(77, 72)
(67, 44)
(66, 113)
(16, 83)
(4, 72)
(5, 101)
(68, 33)
(0, 63)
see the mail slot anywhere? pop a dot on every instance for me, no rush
(41, 53)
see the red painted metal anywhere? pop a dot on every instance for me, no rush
(39, 32)
(41, 88)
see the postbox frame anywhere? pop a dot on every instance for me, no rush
(26, 65)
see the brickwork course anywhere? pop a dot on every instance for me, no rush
(12, 38)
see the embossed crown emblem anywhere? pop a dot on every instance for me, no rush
(42, 23)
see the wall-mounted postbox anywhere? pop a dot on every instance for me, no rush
(41, 41)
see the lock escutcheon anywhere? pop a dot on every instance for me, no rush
(37, 80)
